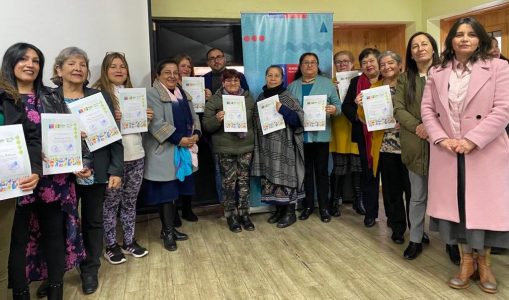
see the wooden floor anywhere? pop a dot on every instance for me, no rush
(309, 260)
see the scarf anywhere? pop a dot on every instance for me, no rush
(269, 92)
(363, 84)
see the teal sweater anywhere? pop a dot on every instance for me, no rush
(322, 86)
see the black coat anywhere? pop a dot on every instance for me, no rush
(14, 113)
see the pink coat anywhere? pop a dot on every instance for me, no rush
(485, 115)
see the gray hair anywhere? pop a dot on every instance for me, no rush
(64, 55)
(392, 55)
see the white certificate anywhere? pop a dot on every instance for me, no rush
(235, 119)
(314, 112)
(61, 144)
(195, 86)
(378, 110)
(343, 79)
(14, 161)
(133, 105)
(96, 121)
(270, 119)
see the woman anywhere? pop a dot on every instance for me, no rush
(186, 69)
(12, 112)
(172, 135)
(55, 245)
(114, 76)
(70, 74)
(495, 50)
(421, 54)
(465, 108)
(345, 153)
(278, 157)
(394, 174)
(233, 151)
(185, 66)
(368, 59)
(308, 81)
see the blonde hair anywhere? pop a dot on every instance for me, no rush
(104, 84)
(9, 90)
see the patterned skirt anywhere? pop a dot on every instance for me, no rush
(346, 163)
(279, 194)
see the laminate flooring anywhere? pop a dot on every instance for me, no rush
(309, 260)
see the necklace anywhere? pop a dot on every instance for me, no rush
(308, 81)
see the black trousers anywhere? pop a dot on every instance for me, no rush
(51, 222)
(316, 156)
(395, 182)
(92, 198)
(370, 184)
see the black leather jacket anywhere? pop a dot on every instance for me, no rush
(14, 113)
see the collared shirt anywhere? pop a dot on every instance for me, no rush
(458, 88)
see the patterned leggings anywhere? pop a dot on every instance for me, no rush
(235, 178)
(125, 199)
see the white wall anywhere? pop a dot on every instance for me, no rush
(96, 26)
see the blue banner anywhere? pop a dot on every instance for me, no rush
(280, 39)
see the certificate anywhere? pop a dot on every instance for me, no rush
(235, 119)
(270, 119)
(61, 144)
(96, 121)
(343, 79)
(314, 112)
(195, 86)
(378, 110)
(14, 161)
(133, 105)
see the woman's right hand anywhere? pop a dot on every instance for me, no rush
(358, 99)
(187, 142)
(208, 94)
(29, 183)
(118, 115)
(420, 130)
(84, 173)
(220, 116)
(449, 145)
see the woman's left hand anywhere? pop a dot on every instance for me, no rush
(118, 115)
(196, 138)
(29, 183)
(114, 182)
(330, 109)
(150, 114)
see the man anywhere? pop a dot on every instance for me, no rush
(217, 62)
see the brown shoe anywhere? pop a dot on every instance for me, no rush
(467, 269)
(487, 281)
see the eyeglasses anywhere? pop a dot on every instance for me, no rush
(213, 58)
(342, 62)
(232, 80)
(115, 52)
(310, 63)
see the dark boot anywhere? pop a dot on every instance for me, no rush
(167, 215)
(56, 291)
(177, 221)
(274, 218)
(233, 224)
(288, 218)
(21, 294)
(246, 223)
(336, 192)
(187, 212)
(358, 204)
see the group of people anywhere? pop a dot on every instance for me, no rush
(451, 113)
